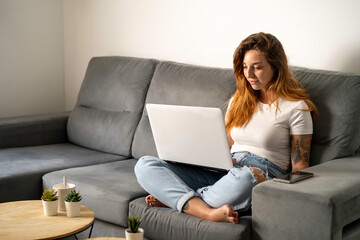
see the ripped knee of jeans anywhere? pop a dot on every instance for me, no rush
(259, 175)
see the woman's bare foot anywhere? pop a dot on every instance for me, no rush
(198, 208)
(223, 214)
(202, 210)
(153, 202)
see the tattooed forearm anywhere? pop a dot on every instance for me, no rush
(296, 154)
(306, 157)
(305, 142)
(300, 151)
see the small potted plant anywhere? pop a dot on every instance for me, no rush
(50, 202)
(73, 204)
(134, 232)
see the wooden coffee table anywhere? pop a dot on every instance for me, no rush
(26, 220)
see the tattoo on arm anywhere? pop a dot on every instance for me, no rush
(305, 142)
(296, 154)
(306, 157)
(300, 150)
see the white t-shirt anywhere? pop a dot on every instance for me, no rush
(268, 134)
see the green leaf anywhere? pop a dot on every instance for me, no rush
(133, 223)
(49, 195)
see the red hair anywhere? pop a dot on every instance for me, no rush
(284, 85)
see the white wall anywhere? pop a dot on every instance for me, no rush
(321, 34)
(31, 57)
(45, 45)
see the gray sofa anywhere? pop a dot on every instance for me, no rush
(98, 143)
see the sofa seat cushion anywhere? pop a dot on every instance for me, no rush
(165, 223)
(106, 188)
(21, 169)
(110, 103)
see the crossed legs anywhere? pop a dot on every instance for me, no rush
(197, 207)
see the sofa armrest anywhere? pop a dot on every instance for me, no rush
(33, 130)
(316, 208)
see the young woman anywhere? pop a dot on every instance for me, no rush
(269, 127)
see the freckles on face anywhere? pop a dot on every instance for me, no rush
(257, 70)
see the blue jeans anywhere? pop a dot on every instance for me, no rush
(249, 159)
(174, 184)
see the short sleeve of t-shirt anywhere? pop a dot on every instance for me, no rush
(300, 121)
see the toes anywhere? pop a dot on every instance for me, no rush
(148, 199)
(232, 216)
(233, 220)
(236, 216)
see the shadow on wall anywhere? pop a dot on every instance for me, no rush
(352, 64)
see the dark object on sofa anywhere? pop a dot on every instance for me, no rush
(97, 145)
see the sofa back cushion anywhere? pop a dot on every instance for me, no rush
(110, 103)
(337, 98)
(180, 84)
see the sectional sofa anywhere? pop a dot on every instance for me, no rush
(98, 143)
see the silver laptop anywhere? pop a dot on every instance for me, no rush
(191, 135)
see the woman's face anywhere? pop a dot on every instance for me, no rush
(257, 70)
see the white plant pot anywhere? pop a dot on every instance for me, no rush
(50, 207)
(134, 236)
(73, 209)
(62, 192)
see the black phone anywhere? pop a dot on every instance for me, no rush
(293, 177)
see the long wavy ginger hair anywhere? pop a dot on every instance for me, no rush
(284, 85)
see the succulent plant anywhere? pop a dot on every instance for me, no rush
(73, 196)
(49, 195)
(134, 223)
